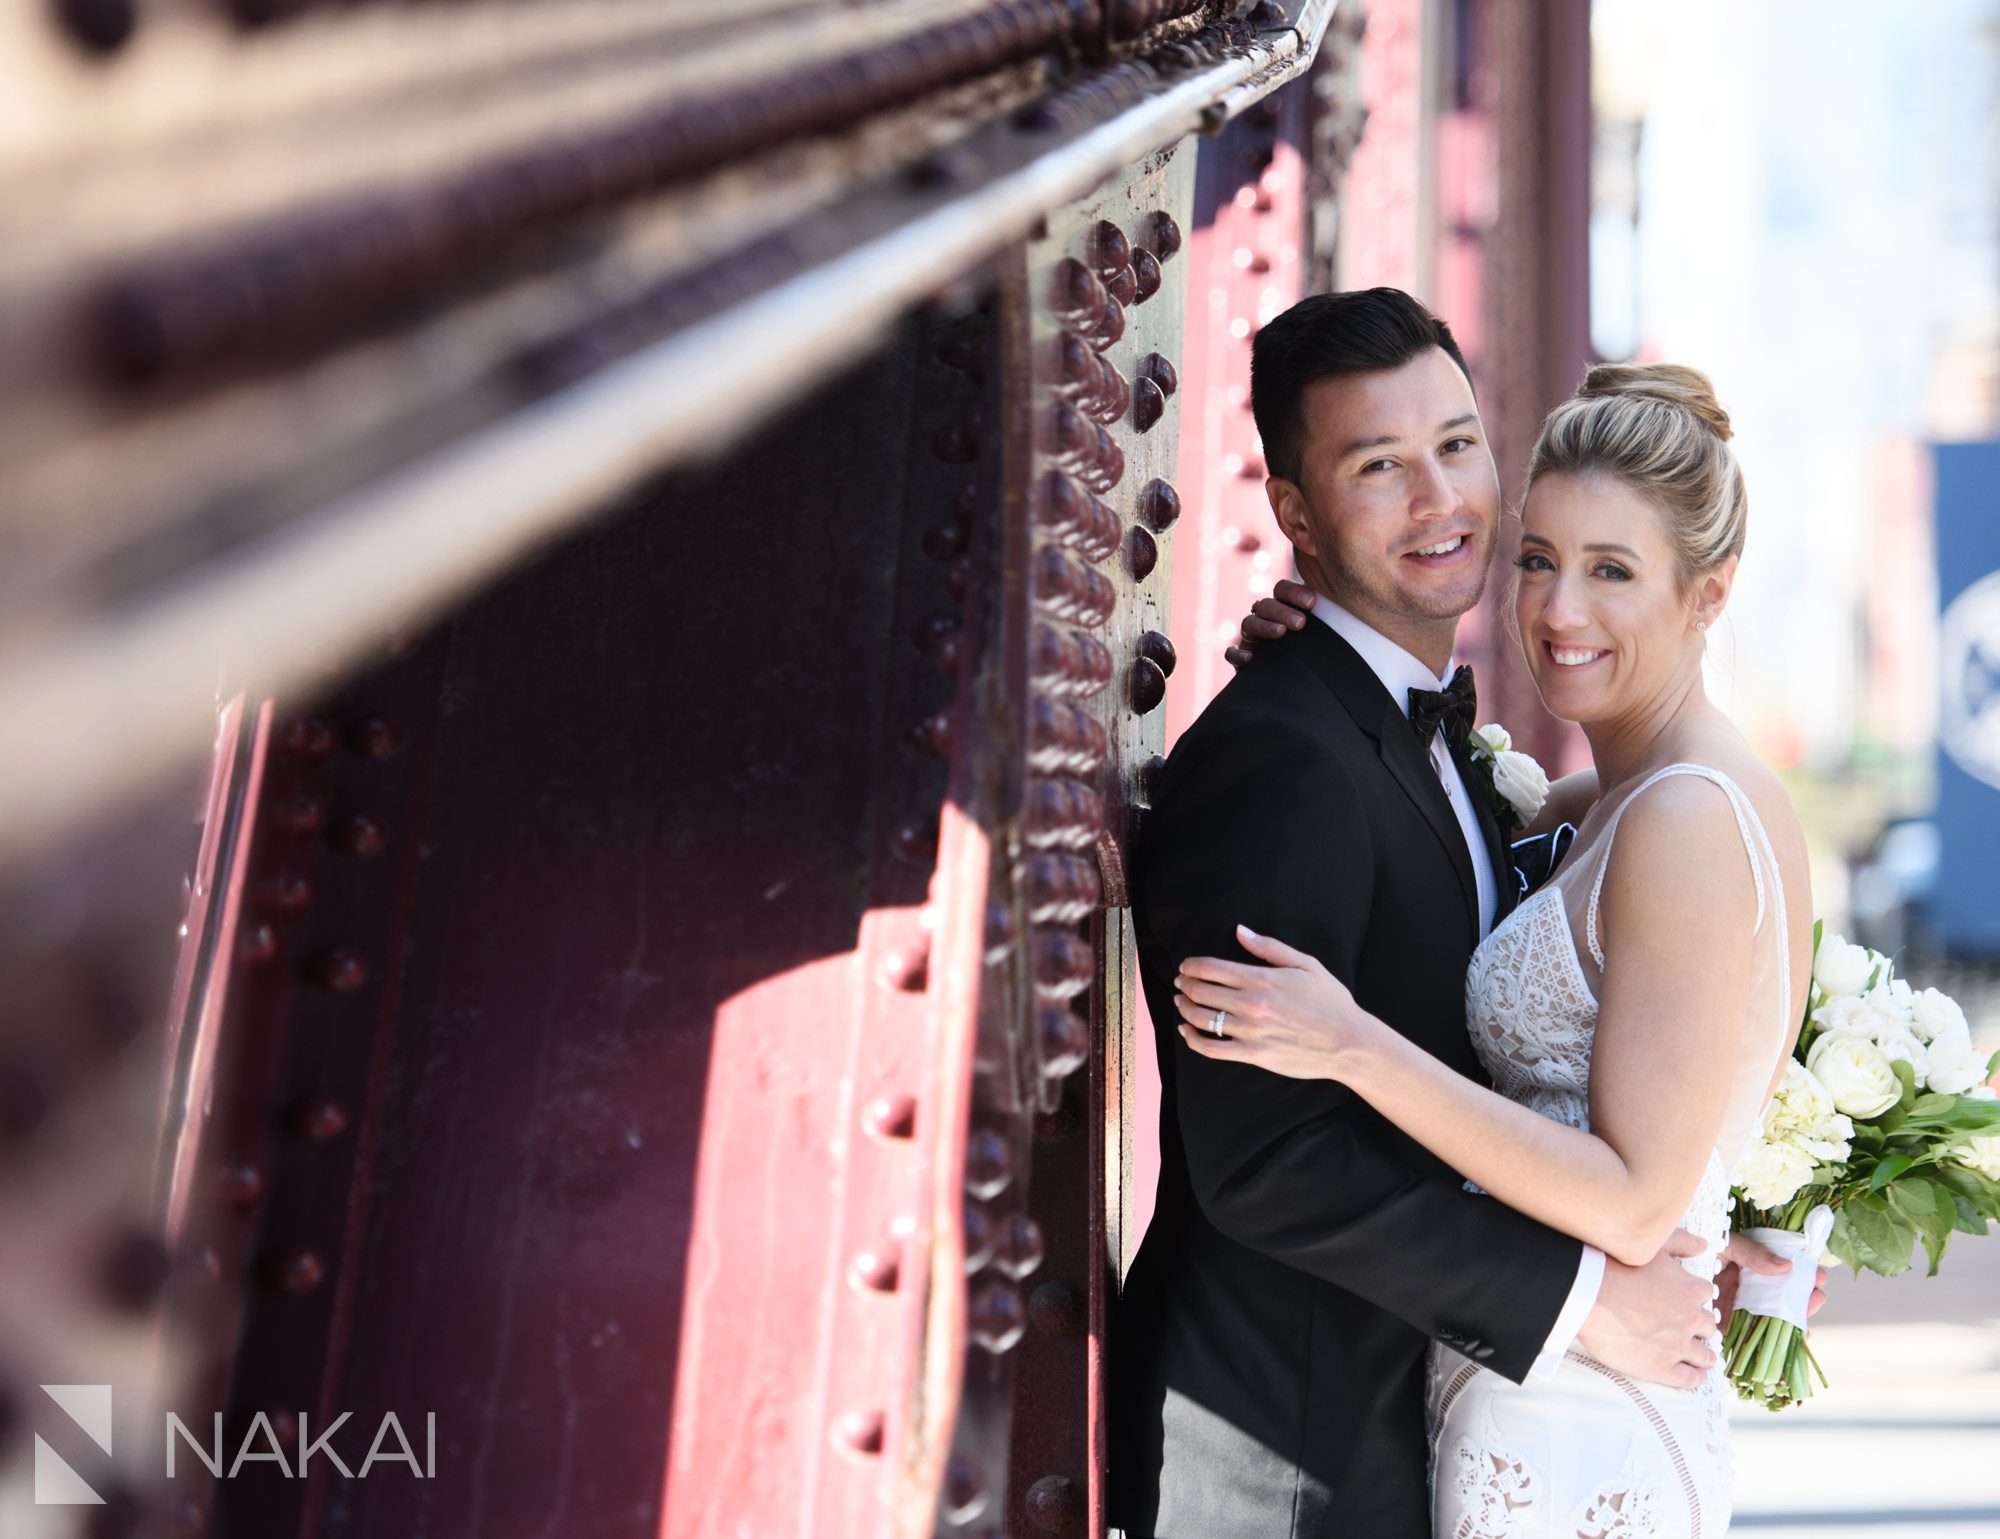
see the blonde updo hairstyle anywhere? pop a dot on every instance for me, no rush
(1658, 428)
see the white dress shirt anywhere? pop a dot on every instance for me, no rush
(1400, 672)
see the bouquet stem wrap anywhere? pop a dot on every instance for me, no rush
(1765, 1345)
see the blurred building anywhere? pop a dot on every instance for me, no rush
(1801, 200)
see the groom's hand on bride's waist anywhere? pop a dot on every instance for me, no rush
(1655, 1322)
(1743, 1254)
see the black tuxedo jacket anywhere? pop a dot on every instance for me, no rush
(1268, 1350)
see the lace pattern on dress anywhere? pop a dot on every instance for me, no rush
(1496, 1490)
(1531, 1012)
(1533, 1017)
(1627, 1508)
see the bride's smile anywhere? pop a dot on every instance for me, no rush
(1611, 629)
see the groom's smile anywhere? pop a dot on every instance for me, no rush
(1395, 509)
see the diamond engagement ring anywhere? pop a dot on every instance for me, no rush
(1215, 1026)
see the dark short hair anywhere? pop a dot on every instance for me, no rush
(1325, 336)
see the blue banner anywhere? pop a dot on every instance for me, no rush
(1967, 909)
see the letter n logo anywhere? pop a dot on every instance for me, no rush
(56, 1484)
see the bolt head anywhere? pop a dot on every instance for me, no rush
(996, 1317)
(376, 737)
(1149, 685)
(319, 1118)
(242, 1185)
(360, 835)
(1158, 649)
(989, 1164)
(1142, 552)
(877, 1269)
(861, 1432)
(1145, 276)
(339, 972)
(891, 1116)
(298, 1271)
(1020, 1246)
(1054, 1504)
(1058, 1308)
(309, 737)
(1149, 404)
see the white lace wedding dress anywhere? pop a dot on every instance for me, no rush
(1586, 1453)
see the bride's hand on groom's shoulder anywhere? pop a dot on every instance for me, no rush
(1291, 1017)
(1269, 618)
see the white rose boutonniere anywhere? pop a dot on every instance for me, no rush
(1516, 783)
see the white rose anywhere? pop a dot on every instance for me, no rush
(1893, 1005)
(1799, 1098)
(1802, 1114)
(1984, 1092)
(1856, 1074)
(1520, 779)
(1955, 1065)
(1875, 1017)
(1493, 738)
(1903, 1044)
(1849, 1013)
(1772, 1174)
(1936, 1015)
(1841, 969)
(1982, 1154)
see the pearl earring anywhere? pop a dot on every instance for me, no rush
(1701, 625)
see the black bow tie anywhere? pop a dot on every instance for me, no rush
(1452, 708)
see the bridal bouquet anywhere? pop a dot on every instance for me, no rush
(1881, 1132)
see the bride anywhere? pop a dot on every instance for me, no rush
(1635, 1012)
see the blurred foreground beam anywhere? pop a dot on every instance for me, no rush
(113, 680)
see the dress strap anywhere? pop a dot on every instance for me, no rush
(1755, 841)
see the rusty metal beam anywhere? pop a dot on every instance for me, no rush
(110, 697)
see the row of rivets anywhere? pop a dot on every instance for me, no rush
(1062, 814)
(315, 1118)
(1062, 889)
(1131, 18)
(1070, 663)
(329, 266)
(1064, 739)
(1204, 50)
(1074, 518)
(1064, 965)
(1069, 590)
(1082, 448)
(1088, 379)
(693, 294)
(1096, 96)
(876, 1269)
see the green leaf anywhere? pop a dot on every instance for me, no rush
(1966, 1217)
(1872, 1236)
(1963, 1115)
(1970, 1185)
(1868, 1138)
(1931, 1209)
(1888, 1170)
(1935, 1101)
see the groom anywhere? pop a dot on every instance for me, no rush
(1271, 1338)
